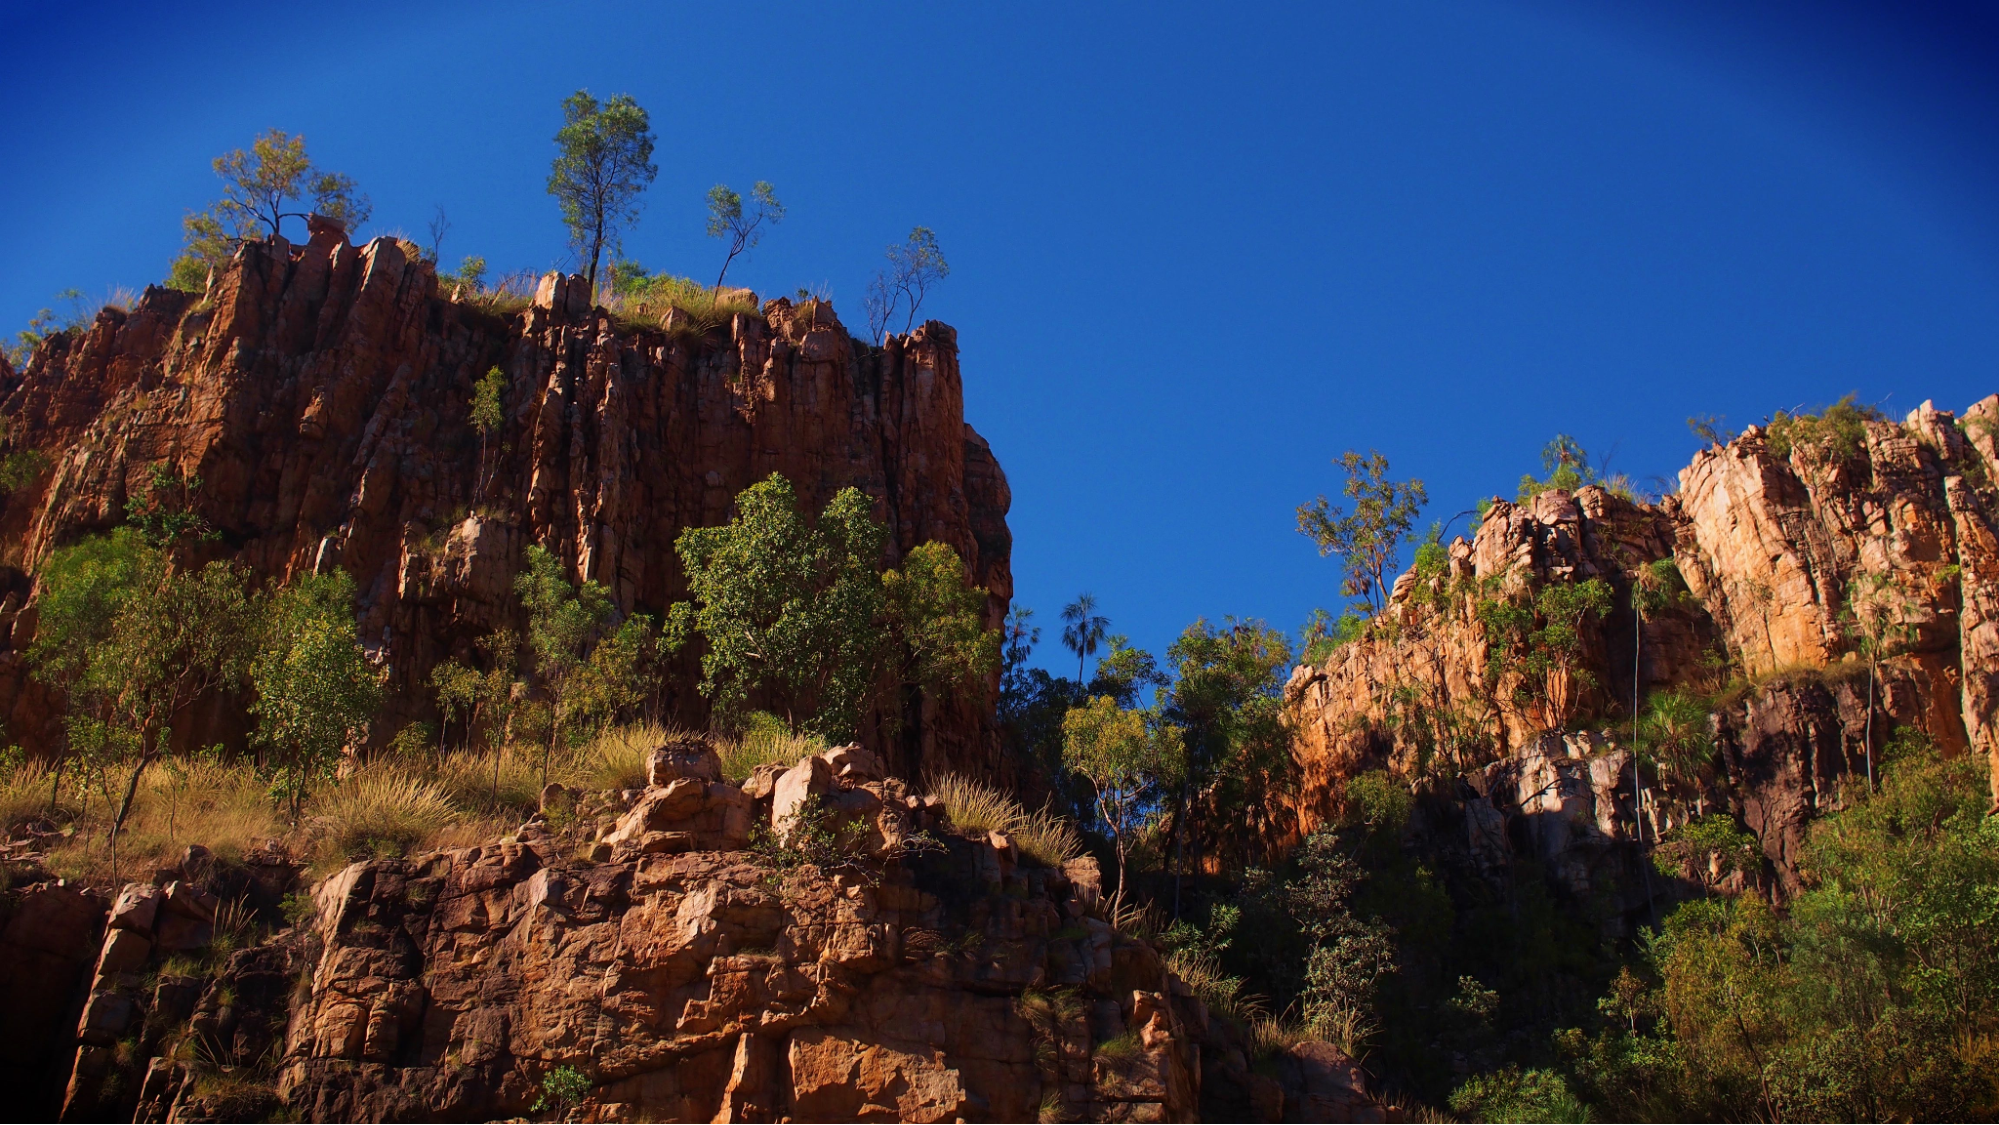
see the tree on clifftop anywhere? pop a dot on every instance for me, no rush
(727, 219)
(604, 162)
(262, 188)
(1366, 541)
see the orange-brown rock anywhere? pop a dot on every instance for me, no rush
(322, 393)
(1780, 556)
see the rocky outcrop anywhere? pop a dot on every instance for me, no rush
(322, 395)
(880, 966)
(1787, 561)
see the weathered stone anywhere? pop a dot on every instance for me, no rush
(124, 950)
(811, 778)
(686, 758)
(136, 907)
(322, 394)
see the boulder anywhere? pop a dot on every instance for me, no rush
(683, 758)
(136, 907)
(810, 778)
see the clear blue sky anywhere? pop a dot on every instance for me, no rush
(1198, 250)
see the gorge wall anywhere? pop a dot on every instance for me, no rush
(1783, 559)
(322, 392)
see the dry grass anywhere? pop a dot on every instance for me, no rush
(224, 807)
(504, 784)
(24, 796)
(765, 740)
(378, 811)
(1222, 993)
(617, 758)
(976, 808)
(655, 300)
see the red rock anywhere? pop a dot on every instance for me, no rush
(322, 394)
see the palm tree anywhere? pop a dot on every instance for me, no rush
(1085, 629)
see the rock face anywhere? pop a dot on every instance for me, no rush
(893, 977)
(1785, 561)
(322, 394)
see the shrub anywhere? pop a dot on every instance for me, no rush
(381, 812)
(1516, 1095)
(1836, 432)
(652, 298)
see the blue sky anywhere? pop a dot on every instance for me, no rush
(1197, 250)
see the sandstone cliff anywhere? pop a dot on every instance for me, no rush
(322, 392)
(646, 940)
(1780, 557)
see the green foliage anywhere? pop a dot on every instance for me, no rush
(591, 677)
(1228, 697)
(1126, 673)
(790, 609)
(1379, 803)
(1836, 433)
(471, 272)
(1321, 635)
(914, 268)
(562, 1090)
(316, 691)
(1083, 629)
(603, 161)
(1707, 849)
(488, 402)
(795, 612)
(1676, 732)
(1567, 464)
(1874, 996)
(727, 220)
(261, 188)
(1516, 1095)
(939, 617)
(1369, 539)
(130, 639)
(21, 468)
(1544, 642)
(1709, 428)
(1130, 758)
(164, 513)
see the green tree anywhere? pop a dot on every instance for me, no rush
(316, 692)
(728, 221)
(914, 268)
(1544, 642)
(564, 622)
(603, 162)
(1227, 696)
(459, 693)
(488, 414)
(790, 609)
(1567, 464)
(1874, 622)
(1131, 759)
(134, 639)
(261, 188)
(1083, 629)
(1370, 539)
(940, 619)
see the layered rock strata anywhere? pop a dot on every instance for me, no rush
(914, 973)
(1787, 563)
(322, 395)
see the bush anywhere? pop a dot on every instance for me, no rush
(1516, 1095)
(1836, 432)
(653, 297)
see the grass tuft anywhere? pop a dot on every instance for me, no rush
(379, 811)
(976, 808)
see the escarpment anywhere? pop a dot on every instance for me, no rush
(321, 393)
(1813, 601)
(815, 944)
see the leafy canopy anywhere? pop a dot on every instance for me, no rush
(273, 181)
(741, 230)
(1369, 539)
(603, 162)
(316, 691)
